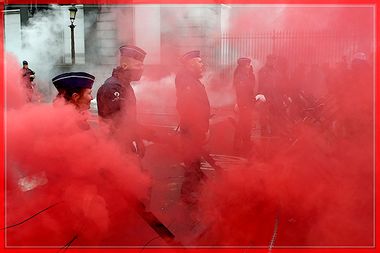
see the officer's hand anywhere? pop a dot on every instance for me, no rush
(140, 148)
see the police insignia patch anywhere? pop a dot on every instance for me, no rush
(117, 96)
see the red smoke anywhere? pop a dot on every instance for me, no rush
(53, 160)
(315, 186)
(311, 188)
(15, 90)
(320, 192)
(304, 17)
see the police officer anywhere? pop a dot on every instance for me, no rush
(194, 113)
(117, 101)
(47, 188)
(27, 77)
(244, 83)
(269, 86)
(75, 88)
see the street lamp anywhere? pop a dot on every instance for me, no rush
(73, 11)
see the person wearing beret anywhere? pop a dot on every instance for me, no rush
(244, 83)
(194, 113)
(75, 88)
(117, 101)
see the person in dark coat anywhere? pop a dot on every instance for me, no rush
(194, 113)
(244, 83)
(27, 77)
(270, 86)
(117, 101)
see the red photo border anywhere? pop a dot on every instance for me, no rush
(198, 250)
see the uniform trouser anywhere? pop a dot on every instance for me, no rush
(127, 145)
(270, 120)
(192, 148)
(242, 139)
(29, 94)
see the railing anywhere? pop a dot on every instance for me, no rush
(293, 46)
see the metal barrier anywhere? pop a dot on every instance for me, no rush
(295, 47)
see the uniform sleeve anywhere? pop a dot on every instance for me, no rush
(261, 82)
(192, 105)
(185, 97)
(109, 101)
(241, 78)
(253, 83)
(237, 78)
(253, 79)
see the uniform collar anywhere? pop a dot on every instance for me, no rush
(187, 72)
(117, 73)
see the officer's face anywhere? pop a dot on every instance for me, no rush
(271, 61)
(133, 67)
(83, 100)
(196, 66)
(247, 67)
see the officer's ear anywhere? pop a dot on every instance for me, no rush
(75, 97)
(188, 64)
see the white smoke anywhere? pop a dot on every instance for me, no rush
(40, 40)
(45, 43)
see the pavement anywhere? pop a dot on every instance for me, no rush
(164, 165)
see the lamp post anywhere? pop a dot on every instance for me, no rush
(73, 11)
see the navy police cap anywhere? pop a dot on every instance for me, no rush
(190, 55)
(73, 80)
(244, 61)
(133, 52)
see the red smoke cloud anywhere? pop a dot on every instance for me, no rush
(313, 190)
(303, 17)
(312, 187)
(82, 177)
(15, 91)
(321, 194)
